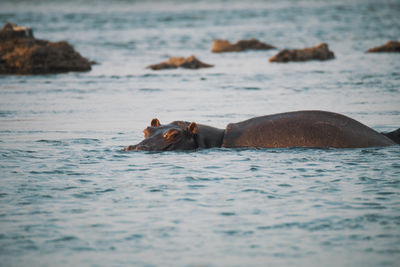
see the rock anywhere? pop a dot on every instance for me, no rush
(319, 52)
(391, 46)
(175, 62)
(21, 53)
(13, 31)
(220, 46)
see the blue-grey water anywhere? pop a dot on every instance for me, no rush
(70, 197)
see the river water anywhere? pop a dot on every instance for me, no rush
(70, 196)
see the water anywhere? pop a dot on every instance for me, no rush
(70, 196)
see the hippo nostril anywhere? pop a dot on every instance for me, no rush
(129, 148)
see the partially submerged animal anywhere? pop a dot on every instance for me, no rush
(314, 129)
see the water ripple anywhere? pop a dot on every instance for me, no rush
(68, 191)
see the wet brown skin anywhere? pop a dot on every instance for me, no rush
(313, 129)
(303, 129)
(178, 135)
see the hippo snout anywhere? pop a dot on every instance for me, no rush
(139, 147)
(132, 147)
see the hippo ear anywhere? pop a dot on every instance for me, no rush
(192, 128)
(155, 122)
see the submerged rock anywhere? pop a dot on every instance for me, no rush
(319, 52)
(21, 53)
(391, 46)
(220, 46)
(175, 62)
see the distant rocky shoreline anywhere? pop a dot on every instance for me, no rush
(21, 53)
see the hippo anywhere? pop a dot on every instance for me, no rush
(309, 129)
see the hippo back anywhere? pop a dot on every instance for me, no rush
(303, 129)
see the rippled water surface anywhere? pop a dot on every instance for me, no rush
(70, 196)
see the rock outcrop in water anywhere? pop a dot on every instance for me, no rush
(319, 52)
(21, 53)
(220, 46)
(180, 62)
(391, 46)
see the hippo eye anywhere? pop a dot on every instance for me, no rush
(171, 134)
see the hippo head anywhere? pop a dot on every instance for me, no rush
(177, 135)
